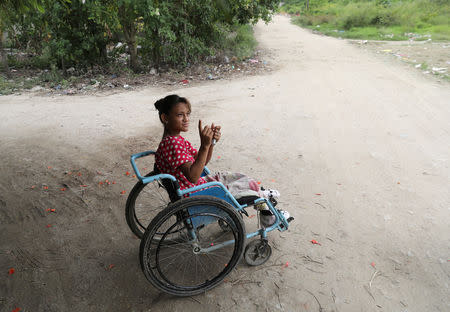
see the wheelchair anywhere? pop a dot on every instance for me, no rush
(192, 239)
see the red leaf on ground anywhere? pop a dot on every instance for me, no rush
(127, 173)
(318, 194)
(11, 271)
(123, 192)
(45, 187)
(79, 174)
(83, 185)
(49, 167)
(114, 182)
(33, 186)
(16, 310)
(48, 225)
(372, 264)
(314, 242)
(100, 183)
(286, 264)
(134, 176)
(111, 266)
(63, 189)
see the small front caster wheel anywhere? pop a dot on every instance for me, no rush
(257, 252)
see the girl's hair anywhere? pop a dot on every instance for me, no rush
(165, 105)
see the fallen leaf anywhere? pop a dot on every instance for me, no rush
(49, 167)
(114, 182)
(16, 310)
(123, 192)
(70, 172)
(11, 271)
(286, 264)
(111, 266)
(218, 157)
(318, 194)
(372, 264)
(273, 180)
(398, 182)
(48, 225)
(134, 176)
(101, 183)
(45, 187)
(33, 186)
(79, 174)
(62, 189)
(83, 185)
(259, 182)
(252, 216)
(127, 173)
(314, 242)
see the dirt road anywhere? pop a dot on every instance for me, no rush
(359, 149)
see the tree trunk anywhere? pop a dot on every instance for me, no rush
(129, 31)
(307, 5)
(3, 53)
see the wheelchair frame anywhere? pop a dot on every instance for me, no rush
(215, 189)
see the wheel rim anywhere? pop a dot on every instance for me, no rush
(151, 200)
(173, 263)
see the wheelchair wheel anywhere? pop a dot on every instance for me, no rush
(193, 254)
(257, 252)
(144, 203)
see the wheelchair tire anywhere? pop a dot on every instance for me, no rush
(144, 203)
(189, 258)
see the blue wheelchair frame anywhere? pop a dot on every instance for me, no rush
(215, 189)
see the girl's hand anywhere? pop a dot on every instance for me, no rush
(206, 135)
(216, 130)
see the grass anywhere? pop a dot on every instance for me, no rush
(240, 42)
(376, 20)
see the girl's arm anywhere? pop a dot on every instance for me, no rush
(193, 171)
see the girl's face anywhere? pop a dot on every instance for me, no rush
(178, 119)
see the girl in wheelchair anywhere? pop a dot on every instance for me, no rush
(176, 155)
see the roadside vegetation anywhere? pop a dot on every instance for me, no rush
(58, 42)
(374, 19)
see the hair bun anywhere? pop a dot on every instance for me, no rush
(159, 104)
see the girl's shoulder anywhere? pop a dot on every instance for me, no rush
(169, 140)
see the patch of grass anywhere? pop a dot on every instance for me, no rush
(240, 42)
(376, 20)
(6, 86)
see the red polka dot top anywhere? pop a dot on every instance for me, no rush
(171, 154)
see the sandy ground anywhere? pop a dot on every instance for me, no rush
(358, 146)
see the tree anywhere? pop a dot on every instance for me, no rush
(8, 8)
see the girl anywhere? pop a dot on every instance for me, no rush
(176, 155)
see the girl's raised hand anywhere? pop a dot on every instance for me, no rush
(206, 134)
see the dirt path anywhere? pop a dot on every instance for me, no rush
(358, 147)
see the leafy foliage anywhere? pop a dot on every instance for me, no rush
(81, 32)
